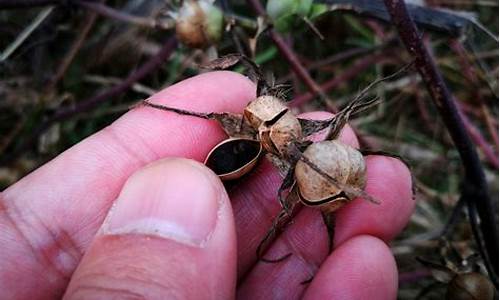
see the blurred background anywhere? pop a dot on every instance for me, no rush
(69, 68)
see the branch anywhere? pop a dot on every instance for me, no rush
(112, 13)
(475, 189)
(75, 47)
(12, 4)
(292, 58)
(65, 113)
(352, 72)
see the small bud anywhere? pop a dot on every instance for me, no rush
(199, 24)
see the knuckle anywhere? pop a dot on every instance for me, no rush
(53, 251)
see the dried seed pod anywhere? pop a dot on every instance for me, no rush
(462, 283)
(276, 125)
(326, 174)
(264, 109)
(342, 162)
(470, 286)
(199, 24)
(234, 157)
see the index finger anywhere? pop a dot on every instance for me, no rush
(49, 217)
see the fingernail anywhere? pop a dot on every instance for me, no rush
(176, 199)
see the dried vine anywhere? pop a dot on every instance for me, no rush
(475, 188)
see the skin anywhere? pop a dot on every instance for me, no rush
(174, 231)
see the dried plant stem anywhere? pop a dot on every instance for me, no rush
(75, 47)
(414, 276)
(112, 13)
(11, 4)
(475, 189)
(472, 76)
(65, 113)
(26, 33)
(299, 69)
(479, 140)
(293, 60)
(351, 73)
(492, 128)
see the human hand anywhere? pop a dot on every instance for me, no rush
(171, 232)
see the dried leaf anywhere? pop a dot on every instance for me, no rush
(281, 164)
(310, 127)
(223, 62)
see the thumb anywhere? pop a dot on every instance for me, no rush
(169, 235)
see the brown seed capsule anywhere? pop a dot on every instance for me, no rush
(233, 157)
(470, 286)
(342, 162)
(199, 24)
(276, 125)
(264, 109)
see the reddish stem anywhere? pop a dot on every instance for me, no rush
(472, 76)
(479, 140)
(360, 66)
(292, 58)
(475, 188)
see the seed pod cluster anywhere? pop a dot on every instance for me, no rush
(324, 174)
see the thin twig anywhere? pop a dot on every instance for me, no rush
(471, 75)
(26, 33)
(112, 13)
(75, 47)
(479, 140)
(97, 7)
(292, 59)
(12, 4)
(351, 73)
(62, 114)
(475, 189)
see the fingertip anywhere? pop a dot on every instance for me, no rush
(390, 182)
(172, 225)
(361, 268)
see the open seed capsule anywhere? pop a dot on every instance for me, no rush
(342, 162)
(234, 157)
(276, 124)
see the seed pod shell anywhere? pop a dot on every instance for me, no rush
(263, 109)
(276, 125)
(277, 137)
(342, 162)
(234, 157)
